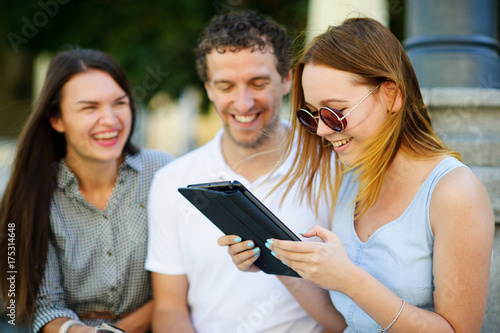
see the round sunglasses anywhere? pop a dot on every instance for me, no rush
(332, 118)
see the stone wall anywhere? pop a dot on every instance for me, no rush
(468, 120)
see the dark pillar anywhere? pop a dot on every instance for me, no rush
(453, 43)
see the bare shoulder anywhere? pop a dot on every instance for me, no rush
(460, 200)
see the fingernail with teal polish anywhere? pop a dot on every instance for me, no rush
(273, 253)
(256, 250)
(284, 263)
(237, 239)
(268, 246)
(258, 254)
(303, 231)
(250, 244)
(270, 241)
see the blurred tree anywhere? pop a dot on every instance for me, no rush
(153, 39)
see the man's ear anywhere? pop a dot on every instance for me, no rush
(57, 124)
(209, 90)
(287, 83)
(392, 95)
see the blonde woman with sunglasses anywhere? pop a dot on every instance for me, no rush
(411, 240)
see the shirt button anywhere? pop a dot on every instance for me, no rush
(109, 253)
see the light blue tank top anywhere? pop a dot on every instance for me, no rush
(398, 254)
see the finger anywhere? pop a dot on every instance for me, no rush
(290, 246)
(308, 233)
(236, 248)
(288, 259)
(248, 265)
(228, 240)
(245, 259)
(321, 232)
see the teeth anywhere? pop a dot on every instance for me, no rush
(245, 119)
(106, 136)
(340, 143)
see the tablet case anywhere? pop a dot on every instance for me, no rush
(235, 211)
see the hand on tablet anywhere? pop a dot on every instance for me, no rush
(324, 263)
(243, 252)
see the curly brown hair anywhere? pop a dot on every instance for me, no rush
(235, 31)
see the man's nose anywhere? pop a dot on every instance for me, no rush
(244, 100)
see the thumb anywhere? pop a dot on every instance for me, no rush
(319, 231)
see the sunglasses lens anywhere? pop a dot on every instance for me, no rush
(307, 120)
(331, 118)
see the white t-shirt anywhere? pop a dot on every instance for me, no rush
(183, 241)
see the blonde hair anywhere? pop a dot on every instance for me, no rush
(369, 50)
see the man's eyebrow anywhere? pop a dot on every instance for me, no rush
(221, 81)
(262, 77)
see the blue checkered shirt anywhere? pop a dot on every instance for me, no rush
(96, 257)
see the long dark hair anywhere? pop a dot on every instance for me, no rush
(25, 206)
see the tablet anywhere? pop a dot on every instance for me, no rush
(236, 211)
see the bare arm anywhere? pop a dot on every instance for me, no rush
(462, 221)
(463, 224)
(170, 308)
(54, 325)
(138, 321)
(314, 300)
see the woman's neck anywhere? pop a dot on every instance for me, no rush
(96, 180)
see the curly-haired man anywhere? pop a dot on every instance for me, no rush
(244, 61)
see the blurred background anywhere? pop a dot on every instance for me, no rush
(154, 42)
(453, 45)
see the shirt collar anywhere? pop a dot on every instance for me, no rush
(67, 177)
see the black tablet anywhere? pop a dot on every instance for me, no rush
(236, 211)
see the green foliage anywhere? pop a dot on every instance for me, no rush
(144, 36)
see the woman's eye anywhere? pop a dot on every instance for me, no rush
(90, 107)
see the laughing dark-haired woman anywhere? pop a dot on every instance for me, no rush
(76, 202)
